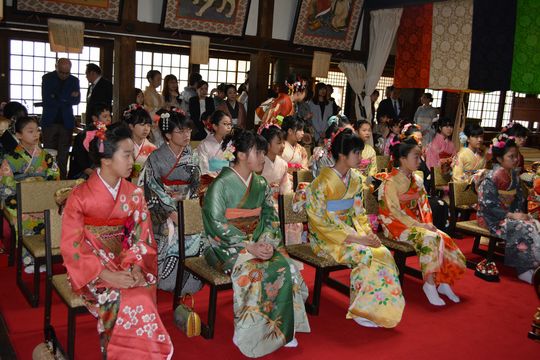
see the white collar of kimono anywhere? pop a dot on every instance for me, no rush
(112, 190)
(344, 178)
(246, 182)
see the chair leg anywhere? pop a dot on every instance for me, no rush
(208, 330)
(313, 308)
(476, 245)
(400, 259)
(491, 249)
(12, 246)
(71, 334)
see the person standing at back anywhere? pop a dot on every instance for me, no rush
(100, 91)
(190, 91)
(60, 91)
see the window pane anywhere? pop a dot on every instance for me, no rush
(16, 62)
(231, 77)
(39, 64)
(15, 77)
(175, 60)
(231, 65)
(16, 47)
(222, 64)
(213, 63)
(28, 48)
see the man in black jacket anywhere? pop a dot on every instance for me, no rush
(100, 91)
(391, 106)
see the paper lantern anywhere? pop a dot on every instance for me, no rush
(321, 64)
(200, 49)
(66, 36)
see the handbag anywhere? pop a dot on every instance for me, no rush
(186, 318)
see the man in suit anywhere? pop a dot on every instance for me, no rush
(391, 106)
(99, 92)
(60, 92)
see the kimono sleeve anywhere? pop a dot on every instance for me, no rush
(160, 203)
(52, 172)
(322, 222)
(488, 199)
(305, 160)
(269, 220)
(216, 226)
(458, 168)
(82, 264)
(7, 181)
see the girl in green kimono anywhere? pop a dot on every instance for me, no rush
(27, 162)
(242, 227)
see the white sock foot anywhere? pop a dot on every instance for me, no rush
(445, 289)
(292, 344)
(432, 295)
(235, 340)
(365, 322)
(526, 276)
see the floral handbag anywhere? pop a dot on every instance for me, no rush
(186, 318)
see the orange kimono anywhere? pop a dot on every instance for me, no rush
(403, 207)
(100, 232)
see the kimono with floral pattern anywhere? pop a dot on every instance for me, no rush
(140, 154)
(321, 158)
(499, 193)
(403, 208)
(335, 211)
(467, 163)
(268, 295)
(20, 166)
(99, 232)
(295, 156)
(168, 178)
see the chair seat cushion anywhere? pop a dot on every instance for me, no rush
(397, 245)
(61, 284)
(304, 253)
(35, 244)
(199, 267)
(472, 226)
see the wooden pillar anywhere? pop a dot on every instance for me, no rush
(4, 67)
(124, 74)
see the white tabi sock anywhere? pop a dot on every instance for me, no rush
(292, 344)
(445, 289)
(365, 322)
(431, 293)
(526, 276)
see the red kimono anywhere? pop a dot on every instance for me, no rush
(100, 233)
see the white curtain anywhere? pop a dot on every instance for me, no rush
(356, 76)
(382, 31)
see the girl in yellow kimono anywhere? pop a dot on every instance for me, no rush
(406, 216)
(472, 157)
(368, 164)
(340, 228)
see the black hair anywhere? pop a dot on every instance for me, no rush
(429, 96)
(411, 130)
(393, 122)
(99, 108)
(345, 142)
(442, 122)
(194, 78)
(500, 152)
(375, 92)
(402, 149)
(175, 120)
(201, 83)
(113, 135)
(342, 121)
(137, 116)
(151, 74)
(21, 123)
(14, 109)
(205, 115)
(315, 98)
(517, 130)
(473, 129)
(243, 141)
(229, 86)
(294, 122)
(359, 124)
(93, 68)
(217, 116)
(271, 132)
(137, 92)
(222, 87)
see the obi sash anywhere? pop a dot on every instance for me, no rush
(168, 182)
(216, 164)
(246, 220)
(111, 233)
(294, 166)
(339, 205)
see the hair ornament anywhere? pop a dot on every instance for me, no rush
(228, 154)
(165, 125)
(463, 138)
(297, 86)
(101, 128)
(408, 126)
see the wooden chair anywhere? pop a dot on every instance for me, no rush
(382, 162)
(401, 250)
(194, 144)
(60, 284)
(35, 197)
(190, 221)
(302, 252)
(462, 196)
(12, 235)
(439, 182)
(534, 334)
(301, 176)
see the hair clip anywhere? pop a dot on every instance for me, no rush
(333, 120)
(407, 126)
(99, 133)
(333, 138)
(228, 153)
(165, 125)
(297, 86)
(267, 126)
(179, 111)
(463, 138)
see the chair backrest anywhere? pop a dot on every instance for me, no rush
(438, 178)
(382, 162)
(286, 213)
(371, 204)
(192, 213)
(302, 176)
(462, 194)
(194, 144)
(37, 196)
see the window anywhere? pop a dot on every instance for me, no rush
(338, 80)
(484, 106)
(30, 60)
(508, 107)
(437, 97)
(383, 83)
(226, 71)
(166, 63)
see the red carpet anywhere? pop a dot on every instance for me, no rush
(491, 323)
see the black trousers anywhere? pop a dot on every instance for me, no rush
(59, 138)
